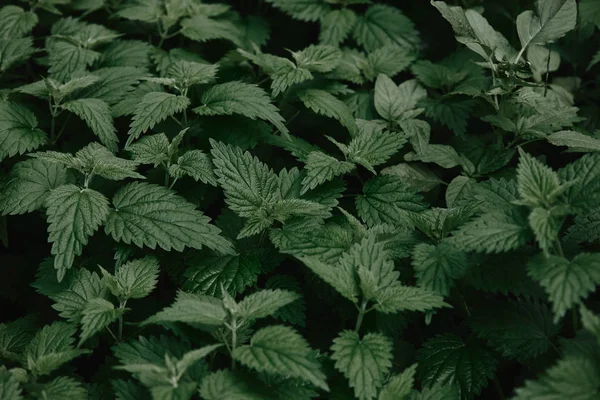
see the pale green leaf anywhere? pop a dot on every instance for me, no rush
(264, 303)
(318, 58)
(327, 104)
(83, 287)
(18, 130)
(407, 298)
(192, 309)
(16, 22)
(399, 386)
(382, 25)
(10, 389)
(303, 10)
(135, 279)
(97, 315)
(321, 168)
(340, 276)
(336, 25)
(393, 102)
(202, 28)
(63, 388)
(196, 164)
(14, 52)
(575, 141)
(97, 115)
(438, 266)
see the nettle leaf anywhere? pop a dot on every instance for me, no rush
(571, 377)
(10, 388)
(336, 25)
(295, 312)
(566, 282)
(234, 273)
(14, 52)
(74, 214)
(63, 388)
(407, 298)
(14, 337)
(364, 361)
(388, 60)
(249, 184)
(153, 108)
(133, 280)
(521, 330)
(323, 102)
(264, 303)
(382, 25)
(321, 168)
(318, 58)
(240, 98)
(97, 115)
(340, 276)
(97, 315)
(538, 185)
(192, 309)
(494, 232)
(370, 149)
(152, 149)
(386, 199)
(551, 21)
(438, 266)
(194, 163)
(51, 347)
(575, 141)
(30, 185)
(150, 215)
(18, 130)
(303, 10)
(399, 386)
(16, 22)
(447, 360)
(394, 102)
(280, 350)
(201, 28)
(83, 287)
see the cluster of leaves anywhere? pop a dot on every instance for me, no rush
(340, 199)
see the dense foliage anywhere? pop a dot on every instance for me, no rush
(296, 199)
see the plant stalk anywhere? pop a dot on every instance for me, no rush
(361, 315)
(233, 342)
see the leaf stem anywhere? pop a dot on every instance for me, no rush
(361, 315)
(120, 333)
(111, 333)
(233, 327)
(547, 70)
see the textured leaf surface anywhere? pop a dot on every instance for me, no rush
(279, 349)
(325, 103)
(151, 215)
(74, 214)
(96, 114)
(18, 130)
(364, 361)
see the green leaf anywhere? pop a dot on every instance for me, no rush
(571, 377)
(152, 149)
(97, 315)
(336, 25)
(14, 52)
(590, 321)
(388, 60)
(452, 112)
(202, 28)
(303, 10)
(399, 386)
(365, 362)
(415, 176)
(407, 298)
(71, 301)
(288, 76)
(96, 114)
(546, 225)
(74, 214)
(386, 199)
(438, 266)
(9, 385)
(51, 347)
(30, 185)
(133, 280)
(474, 31)
(318, 58)
(196, 164)
(280, 350)
(68, 59)
(14, 337)
(228, 385)
(249, 185)
(566, 282)
(235, 273)
(321, 168)
(520, 330)
(187, 73)
(575, 141)
(340, 276)
(16, 22)
(382, 25)
(126, 53)
(394, 102)
(240, 98)
(370, 149)
(153, 108)
(295, 312)
(192, 309)
(551, 21)
(325, 103)
(447, 360)
(585, 173)
(63, 388)
(264, 303)
(18, 130)
(151, 215)
(538, 185)
(494, 232)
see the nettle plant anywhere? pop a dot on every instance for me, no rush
(299, 199)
